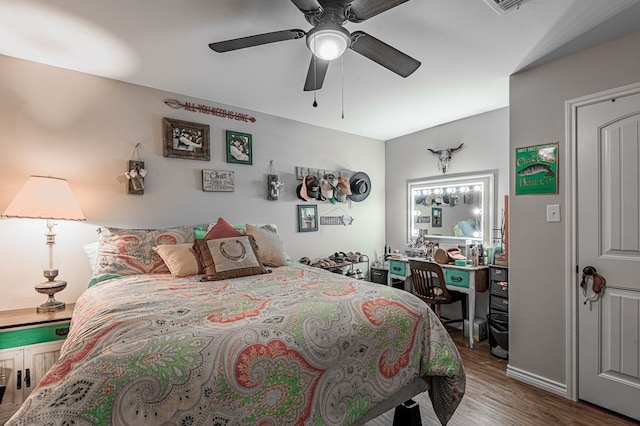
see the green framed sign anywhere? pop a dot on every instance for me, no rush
(537, 169)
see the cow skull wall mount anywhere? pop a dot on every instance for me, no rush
(444, 157)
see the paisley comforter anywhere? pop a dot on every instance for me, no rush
(296, 346)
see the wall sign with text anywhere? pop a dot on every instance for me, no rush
(537, 169)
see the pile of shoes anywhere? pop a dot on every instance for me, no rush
(337, 260)
(356, 274)
(325, 263)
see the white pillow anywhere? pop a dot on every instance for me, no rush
(270, 246)
(91, 250)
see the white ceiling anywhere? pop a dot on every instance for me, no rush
(467, 52)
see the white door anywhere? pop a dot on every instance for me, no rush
(608, 185)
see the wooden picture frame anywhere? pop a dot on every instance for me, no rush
(218, 181)
(239, 148)
(307, 218)
(185, 139)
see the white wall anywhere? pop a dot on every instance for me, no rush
(84, 128)
(537, 248)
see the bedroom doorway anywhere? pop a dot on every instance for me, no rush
(607, 238)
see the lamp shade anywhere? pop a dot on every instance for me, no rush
(328, 41)
(45, 197)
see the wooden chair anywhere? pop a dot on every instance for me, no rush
(428, 284)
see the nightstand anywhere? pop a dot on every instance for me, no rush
(30, 343)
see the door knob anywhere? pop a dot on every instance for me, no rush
(598, 283)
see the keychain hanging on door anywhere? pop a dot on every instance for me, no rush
(598, 285)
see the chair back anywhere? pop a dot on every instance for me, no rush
(428, 282)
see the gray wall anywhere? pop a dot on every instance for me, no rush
(485, 138)
(84, 128)
(537, 248)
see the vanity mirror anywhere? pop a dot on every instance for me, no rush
(459, 207)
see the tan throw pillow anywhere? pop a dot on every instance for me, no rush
(180, 259)
(270, 246)
(225, 258)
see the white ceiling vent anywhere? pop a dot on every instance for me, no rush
(503, 6)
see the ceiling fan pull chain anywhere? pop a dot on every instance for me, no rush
(342, 63)
(315, 74)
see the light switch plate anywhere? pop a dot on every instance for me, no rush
(553, 213)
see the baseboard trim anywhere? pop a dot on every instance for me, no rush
(537, 381)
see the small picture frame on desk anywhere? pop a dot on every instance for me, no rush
(436, 215)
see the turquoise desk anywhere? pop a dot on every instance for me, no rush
(465, 279)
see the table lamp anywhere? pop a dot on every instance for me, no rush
(50, 198)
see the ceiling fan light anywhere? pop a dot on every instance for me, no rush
(328, 43)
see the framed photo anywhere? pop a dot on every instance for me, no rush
(183, 139)
(537, 169)
(423, 219)
(218, 181)
(436, 214)
(239, 148)
(307, 218)
(468, 198)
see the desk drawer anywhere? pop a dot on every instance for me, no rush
(499, 274)
(12, 338)
(500, 288)
(397, 267)
(456, 277)
(499, 304)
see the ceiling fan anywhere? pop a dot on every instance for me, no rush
(328, 39)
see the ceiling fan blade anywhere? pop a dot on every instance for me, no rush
(385, 55)
(361, 10)
(256, 40)
(315, 75)
(308, 7)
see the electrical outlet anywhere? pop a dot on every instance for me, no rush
(553, 213)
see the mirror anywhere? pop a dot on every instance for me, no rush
(459, 207)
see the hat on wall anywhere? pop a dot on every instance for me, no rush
(326, 189)
(360, 186)
(308, 189)
(343, 185)
(340, 196)
(332, 179)
(313, 186)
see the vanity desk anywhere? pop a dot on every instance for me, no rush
(464, 279)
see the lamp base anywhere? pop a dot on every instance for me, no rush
(50, 288)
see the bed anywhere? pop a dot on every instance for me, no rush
(295, 345)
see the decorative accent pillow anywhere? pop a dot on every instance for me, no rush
(270, 246)
(225, 258)
(180, 259)
(267, 227)
(91, 250)
(222, 229)
(130, 251)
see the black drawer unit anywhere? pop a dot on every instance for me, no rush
(498, 317)
(378, 275)
(499, 305)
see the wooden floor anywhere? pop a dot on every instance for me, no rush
(492, 398)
